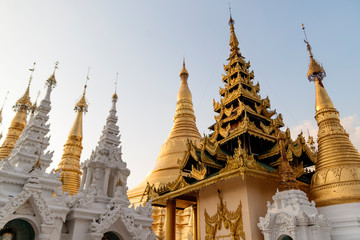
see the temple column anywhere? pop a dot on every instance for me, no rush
(170, 219)
(88, 178)
(106, 180)
(195, 225)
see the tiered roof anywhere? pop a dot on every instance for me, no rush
(243, 139)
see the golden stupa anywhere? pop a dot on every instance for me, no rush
(22, 106)
(70, 160)
(337, 176)
(184, 129)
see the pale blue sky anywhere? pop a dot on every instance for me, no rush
(145, 42)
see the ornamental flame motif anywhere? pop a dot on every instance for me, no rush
(231, 220)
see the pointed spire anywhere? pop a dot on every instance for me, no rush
(18, 123)
(115, 96)
(234, 43)
(27, 151)
(316, 71)
(184, 73)
(184, 119)
(335, 180)
(184, 92)
(184, 130)
(107, 155)
(316, 74)
(70, 160)
(24, 101)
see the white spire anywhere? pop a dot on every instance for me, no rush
(105, 169)
(33, 141)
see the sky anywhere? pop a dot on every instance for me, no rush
(145, 43)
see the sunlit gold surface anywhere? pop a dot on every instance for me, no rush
(287, 176)
(17, 124)
(70, 161)
(184, 129)
(337, 176)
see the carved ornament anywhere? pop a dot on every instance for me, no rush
(241, 159)
(232, 221)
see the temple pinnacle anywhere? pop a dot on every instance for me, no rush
(315, 69)
(184, 73)
(336, 179)
(70, 160)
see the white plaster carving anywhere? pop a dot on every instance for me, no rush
(33, 196)
(291, 214)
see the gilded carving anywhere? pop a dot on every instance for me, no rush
(241, 159)
(198, 173)
(232, 221)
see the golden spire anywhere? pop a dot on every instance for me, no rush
(184, 130)
(184, 119)
(337, 176)
(234, 43)
(18, 123)
(287, 177)
(70, 161)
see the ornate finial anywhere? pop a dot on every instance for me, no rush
(56, 66)
(234, 43)
(32, 71)
(81, 105)
(316, 71)
(34, 106)
(306, 41)
(87, 79)
(184, 73)
(231, 20)
(51, 80)
(116, 82)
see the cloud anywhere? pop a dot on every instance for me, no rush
(350, 123)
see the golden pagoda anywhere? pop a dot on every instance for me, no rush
(184, 130)
(22, 106)
(337, 176)
(70, 160)
(232, 163)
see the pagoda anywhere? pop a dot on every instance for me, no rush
(70, 160)
(167, 168)
(22, 106)
(240, 154)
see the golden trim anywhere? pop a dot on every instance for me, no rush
(232, 220)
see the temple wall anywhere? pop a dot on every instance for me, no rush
(253, 194)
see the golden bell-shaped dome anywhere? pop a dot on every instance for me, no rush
(184, 129)
(337, 176)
